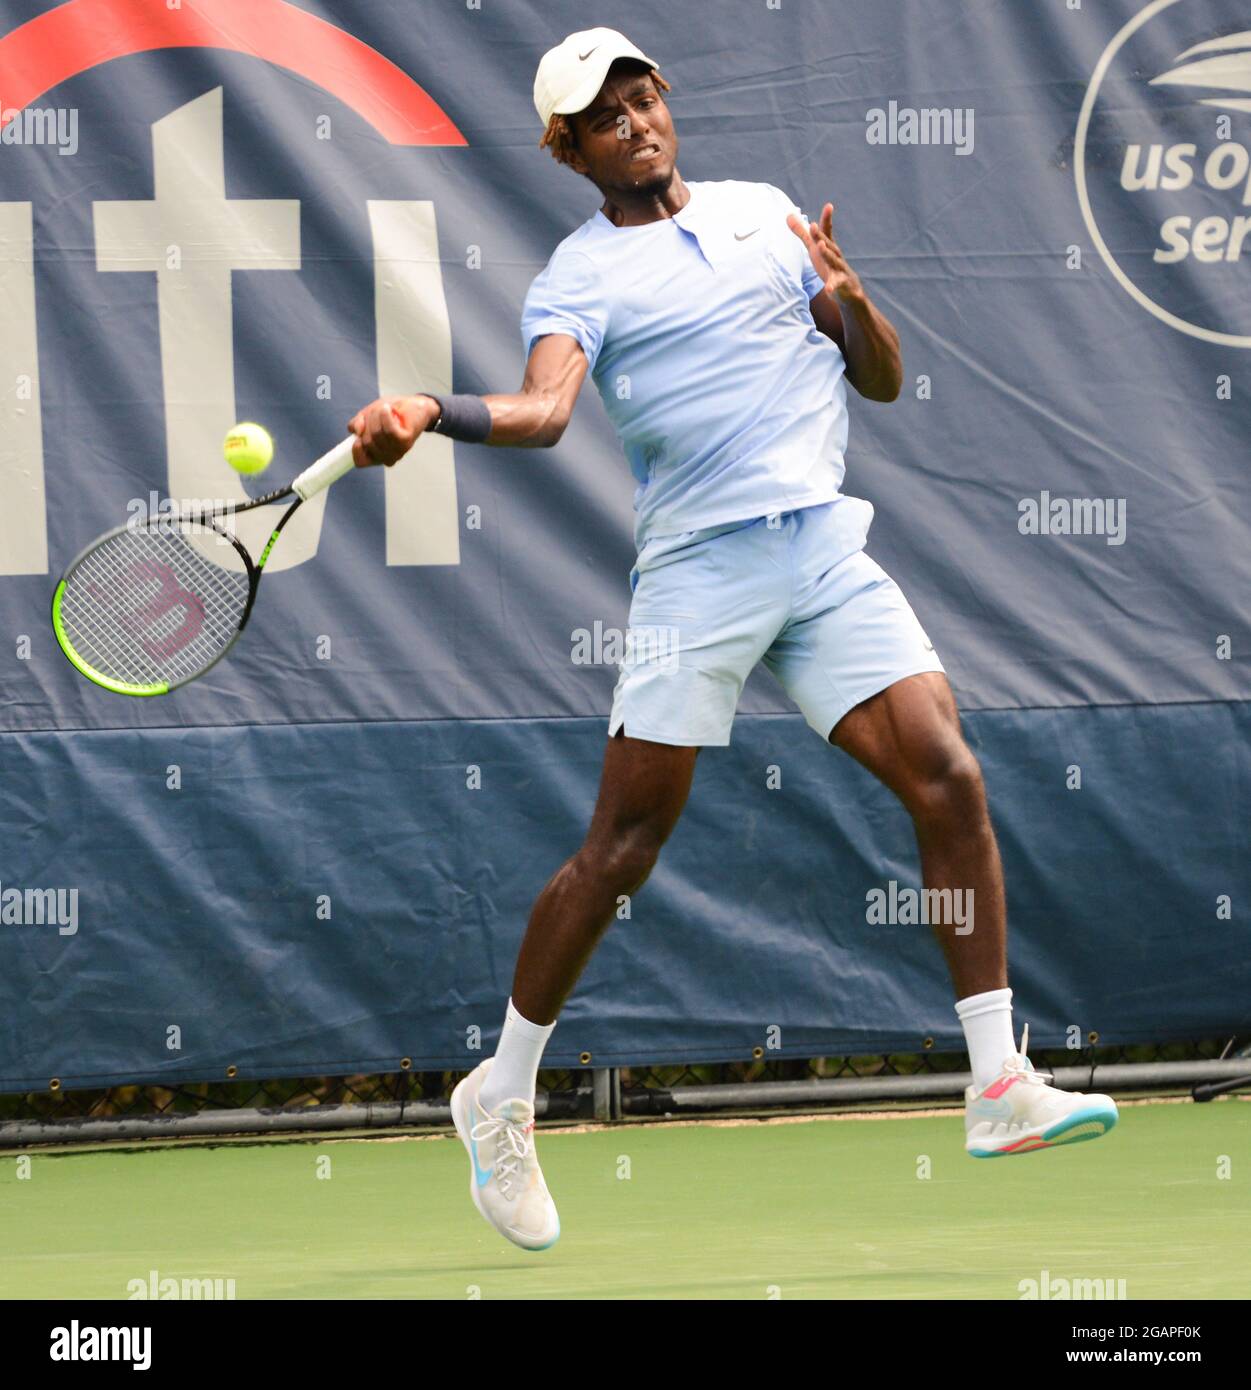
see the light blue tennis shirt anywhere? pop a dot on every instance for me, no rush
(728, 400)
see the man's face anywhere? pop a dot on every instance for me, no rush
(625, 137)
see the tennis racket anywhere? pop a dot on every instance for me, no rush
(153, 604)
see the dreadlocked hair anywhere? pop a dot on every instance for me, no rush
(558, 137)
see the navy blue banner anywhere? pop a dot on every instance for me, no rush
(277, 211)
(314, 899)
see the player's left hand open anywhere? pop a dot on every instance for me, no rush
(387, 428)
(827, 258)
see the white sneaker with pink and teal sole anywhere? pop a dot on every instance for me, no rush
(1019, 1112)
(505, 1180)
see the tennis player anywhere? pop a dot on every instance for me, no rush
(720, 327)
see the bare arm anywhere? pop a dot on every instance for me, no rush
(536, 416)
(533, 418)
(867, 340)
(847, 316)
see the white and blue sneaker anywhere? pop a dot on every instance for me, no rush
(505, 1180)
(1019, 1112)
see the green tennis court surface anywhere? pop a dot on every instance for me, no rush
(806, 1209)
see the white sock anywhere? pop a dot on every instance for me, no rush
(516, 1066)
(987, 1022)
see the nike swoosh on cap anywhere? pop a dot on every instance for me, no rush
(582, 57)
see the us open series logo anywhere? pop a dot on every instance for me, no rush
(1163, 166)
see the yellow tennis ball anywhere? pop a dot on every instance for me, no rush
(248, 448)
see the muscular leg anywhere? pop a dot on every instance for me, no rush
(642, 791)
(909, 737)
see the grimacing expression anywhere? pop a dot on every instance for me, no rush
(625, 139)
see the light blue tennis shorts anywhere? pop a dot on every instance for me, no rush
(794, 590)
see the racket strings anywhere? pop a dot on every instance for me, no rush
(146, 606)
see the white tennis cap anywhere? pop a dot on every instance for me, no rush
(572, 73)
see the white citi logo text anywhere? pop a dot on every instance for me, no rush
(180, 226)
(56, 126)
(906, 907)
(1048, 1287)
(40, 907)
(156, 1287)
(77, 1343)
(1045, 515)
(643, 644)
(929, 125)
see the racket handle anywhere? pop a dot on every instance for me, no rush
(328, 469)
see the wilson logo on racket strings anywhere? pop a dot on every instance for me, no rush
(179, 218)
(1162, 163)
(129, 598)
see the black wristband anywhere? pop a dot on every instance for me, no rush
(467, 418)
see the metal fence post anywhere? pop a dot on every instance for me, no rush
(606, 1093)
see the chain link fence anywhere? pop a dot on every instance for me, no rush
(407, 1098)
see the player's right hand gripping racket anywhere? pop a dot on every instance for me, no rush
(153, 604)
